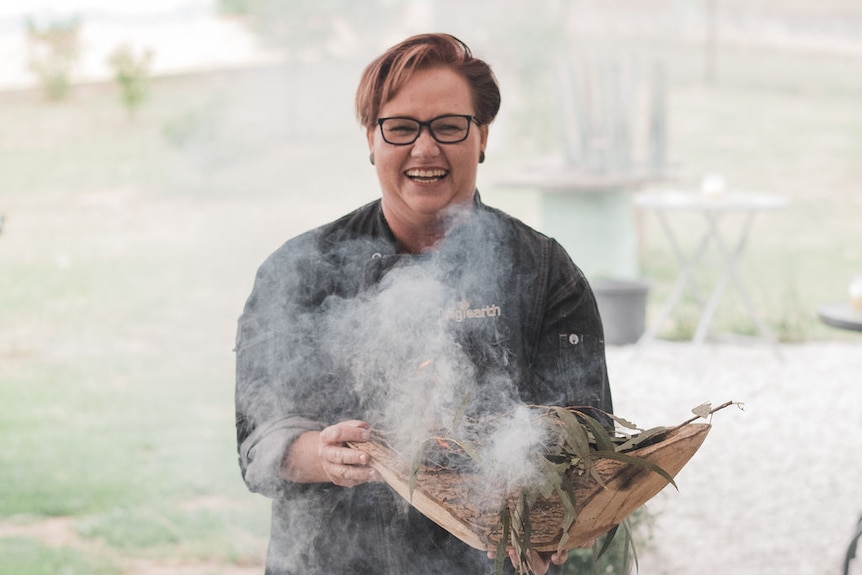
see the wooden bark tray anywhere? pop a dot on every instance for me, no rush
(463, 504)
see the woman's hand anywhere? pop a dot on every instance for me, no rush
(323, 456)
(539, 562)
(342, 465)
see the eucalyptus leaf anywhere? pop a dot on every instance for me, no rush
(606, 541)
(552, 475)
(600, 434)
(569, 514)
(624, 422)
(637, 461)
(418, 458)
(630, 547)
(506, 521)
(578, 439)
(459, 414)
(703, 410)
(640, 438)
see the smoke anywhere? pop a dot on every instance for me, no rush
(402, 361)
(408, 350)
(514, 444)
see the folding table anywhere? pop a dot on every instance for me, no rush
(713, 208)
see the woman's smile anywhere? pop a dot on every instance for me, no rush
(426, 176)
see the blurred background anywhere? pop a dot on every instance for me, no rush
(152, 154)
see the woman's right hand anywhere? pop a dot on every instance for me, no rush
(341, 464)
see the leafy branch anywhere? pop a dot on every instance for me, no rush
(575, 439)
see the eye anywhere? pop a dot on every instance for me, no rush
(449, 127)
(400, 126)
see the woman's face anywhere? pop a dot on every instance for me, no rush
(421, 180)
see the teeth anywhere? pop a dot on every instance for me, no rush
(426, 173)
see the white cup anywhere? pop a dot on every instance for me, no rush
(713, 185)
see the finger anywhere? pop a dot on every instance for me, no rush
(345, 456)
(560, 557)
(538, 563)
(513, 557)
(351, 475)
(588, 544)
(353, 430)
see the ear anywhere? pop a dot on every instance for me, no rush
(483, 136)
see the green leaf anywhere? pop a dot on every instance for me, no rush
(623, 422)
(600, 434)
(630, 547)
(472, 449)
(459, 414)
(579, 442)
(703, 410)
(641, 437)
(552, 475)
(528, 532)
(607, 540)
(569, 513)
(414, 468)
(649, 465)
(506, 521)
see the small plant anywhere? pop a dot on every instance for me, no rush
(53, 53)
(132, 74)
(620, 555)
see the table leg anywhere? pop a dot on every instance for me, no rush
(685, 278)
(684, 262)
(730, 275)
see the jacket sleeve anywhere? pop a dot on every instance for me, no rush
(274, 373)
(570, 367)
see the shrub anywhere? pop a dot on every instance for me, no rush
(132, 74)
(53, 53)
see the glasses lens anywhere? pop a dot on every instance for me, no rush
(399, 130)
(450, 129)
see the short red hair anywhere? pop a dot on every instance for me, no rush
(384, 76)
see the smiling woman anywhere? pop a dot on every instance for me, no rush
(416, 312)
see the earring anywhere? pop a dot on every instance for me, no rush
(482, 156)
(371, 158)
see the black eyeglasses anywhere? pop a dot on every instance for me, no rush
(448, 129)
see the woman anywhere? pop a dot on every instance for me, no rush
(343, 321)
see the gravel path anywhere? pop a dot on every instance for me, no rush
(777, 487)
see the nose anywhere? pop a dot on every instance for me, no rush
(425, 145)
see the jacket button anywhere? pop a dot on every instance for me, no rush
(574, 339)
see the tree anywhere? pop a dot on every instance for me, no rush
(53, 53)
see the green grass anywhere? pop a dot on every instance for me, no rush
(130, 246)
(30, 557)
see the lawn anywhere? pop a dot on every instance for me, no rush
(130, 245)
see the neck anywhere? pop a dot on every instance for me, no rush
(418, 239)
(424, 235)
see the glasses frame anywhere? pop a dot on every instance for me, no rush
(427, 124)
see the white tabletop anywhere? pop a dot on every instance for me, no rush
(722, 201)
